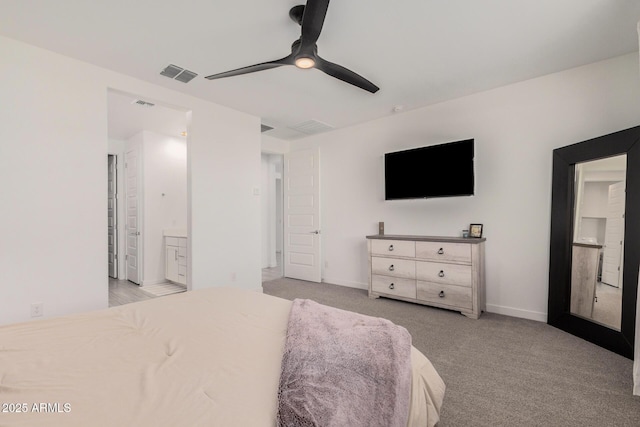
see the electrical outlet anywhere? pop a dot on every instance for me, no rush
(37, 309)
(233, 276)
(326, 264)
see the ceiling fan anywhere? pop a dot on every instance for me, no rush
(304, 51)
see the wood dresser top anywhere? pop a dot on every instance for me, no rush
(469, 240)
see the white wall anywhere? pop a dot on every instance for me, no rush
(273, 145)
(164, 160)
(271, 215)
(515, 127)
(271, 193)
(265, 210)
(595, 199)
(53, 133)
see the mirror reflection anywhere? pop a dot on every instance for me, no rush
(598, 243)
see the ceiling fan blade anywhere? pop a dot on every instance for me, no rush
(313, 19)
(339, 72)
(288, 60)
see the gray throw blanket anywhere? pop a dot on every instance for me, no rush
(342, 369)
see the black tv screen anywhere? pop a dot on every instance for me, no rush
(443, 170)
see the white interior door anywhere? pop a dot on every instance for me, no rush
(614, 236)
(112, 215)
(302, 215)
(134, 250)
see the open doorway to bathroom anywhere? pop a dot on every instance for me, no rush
(148, 142)
(272, 220)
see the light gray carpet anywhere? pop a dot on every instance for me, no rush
(500, 370)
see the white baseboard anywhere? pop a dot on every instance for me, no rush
(346, 283)
(517, 312)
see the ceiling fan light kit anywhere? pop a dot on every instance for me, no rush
(304, 51)
(305, 62)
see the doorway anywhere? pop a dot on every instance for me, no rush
(112, 214)
(148, 142)
(272, 216)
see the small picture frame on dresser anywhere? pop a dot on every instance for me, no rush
(475, 230)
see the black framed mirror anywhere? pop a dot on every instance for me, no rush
(568, 247)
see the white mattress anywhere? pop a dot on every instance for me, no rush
(204, 358)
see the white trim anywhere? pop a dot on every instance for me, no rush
(121, 214)
(117, 227)
(517, 312)
(346, 283)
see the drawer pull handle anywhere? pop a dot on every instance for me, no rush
(441, 294)
(441, 274)
(391, 267)
(440, 251)
(392, 286)
(390, 248)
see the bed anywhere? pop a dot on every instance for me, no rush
(209, 357)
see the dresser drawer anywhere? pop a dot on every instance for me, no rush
(450, 295)
(393, 248)
(393, 286)
(393, 267)
(443, 251)
(182, 256)
(442, 272)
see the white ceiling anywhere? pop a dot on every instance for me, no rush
(126, 118)
(418, 52)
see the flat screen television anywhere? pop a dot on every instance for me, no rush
(443, 170)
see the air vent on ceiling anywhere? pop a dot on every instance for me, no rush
(171, 71)
(186, 76)
(265, 128)
(311, 127)
(178, 73)
(143, 103)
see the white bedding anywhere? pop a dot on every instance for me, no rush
(204, 358)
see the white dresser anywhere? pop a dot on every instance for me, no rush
(175, 244)
(446, 272)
